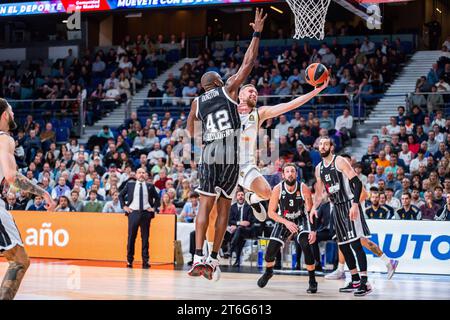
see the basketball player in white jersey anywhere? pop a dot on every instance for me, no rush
(251, 119)
(10, 241)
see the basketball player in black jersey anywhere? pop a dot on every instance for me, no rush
(336, 175)
(289, 205)
(216, 109)
(390, 264)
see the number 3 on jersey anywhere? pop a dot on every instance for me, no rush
(218, 122)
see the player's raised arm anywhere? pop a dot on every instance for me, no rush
(234, 82)
(343, 165)
(267, 112)
(13, 177)
(273, 208)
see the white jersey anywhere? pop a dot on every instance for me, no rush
(249, 134)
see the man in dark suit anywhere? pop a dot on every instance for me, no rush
(242, 225)
(140, 201)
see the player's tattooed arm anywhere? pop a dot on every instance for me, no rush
(23, 183)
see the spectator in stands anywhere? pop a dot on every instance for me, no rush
(407, 211)
(432, 143)
(190, 209)
(430, 208)
(415, 163)
(98, 67)
(435, 100)
(38, 204)
(392, 182)
(439, 198)
(93, 205)
(114, 205)
(153, 94)
(406, 188)
(393, 128)
(442, 86)
(283, 125)
(75, 201)
(12, 202)
(63, 205)
(391, 201)
(375, 210)
(31, 145)
(111, 80)
(113, 93)
(167, 207)
(344, 124)
(444, 213)
(241, 217)
(62, 189)
(326, 122)
(189, 92)
(156, 154)
(124, 87)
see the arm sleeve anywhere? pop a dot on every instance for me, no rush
(357, 185)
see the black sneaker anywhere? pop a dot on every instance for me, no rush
(262, 282)
(312, 287)
(350, 287)
(364, 289)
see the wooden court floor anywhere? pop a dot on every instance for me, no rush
(61, 280)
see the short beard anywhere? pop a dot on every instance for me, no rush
(291, 183)
(12, 125)
(250, 103)
(325, 154)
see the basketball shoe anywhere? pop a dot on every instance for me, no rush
(259, 211)
(198, 266)
(211, 270)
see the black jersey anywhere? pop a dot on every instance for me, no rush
(336, 183)
(291, 205)
(219, 115)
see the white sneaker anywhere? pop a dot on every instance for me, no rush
(392, 266)
(211, 266)
(258, 209)
(198, 266)
(335, 275)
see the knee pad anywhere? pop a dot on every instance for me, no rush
(272, 250)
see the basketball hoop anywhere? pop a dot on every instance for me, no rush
(309, 17)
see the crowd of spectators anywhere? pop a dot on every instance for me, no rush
(103, 79)
(407, 166)
(360, 69)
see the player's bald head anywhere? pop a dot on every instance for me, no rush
(211, 80)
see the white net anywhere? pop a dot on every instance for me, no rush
(309, 17)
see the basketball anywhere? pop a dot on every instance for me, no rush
(316, 74)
